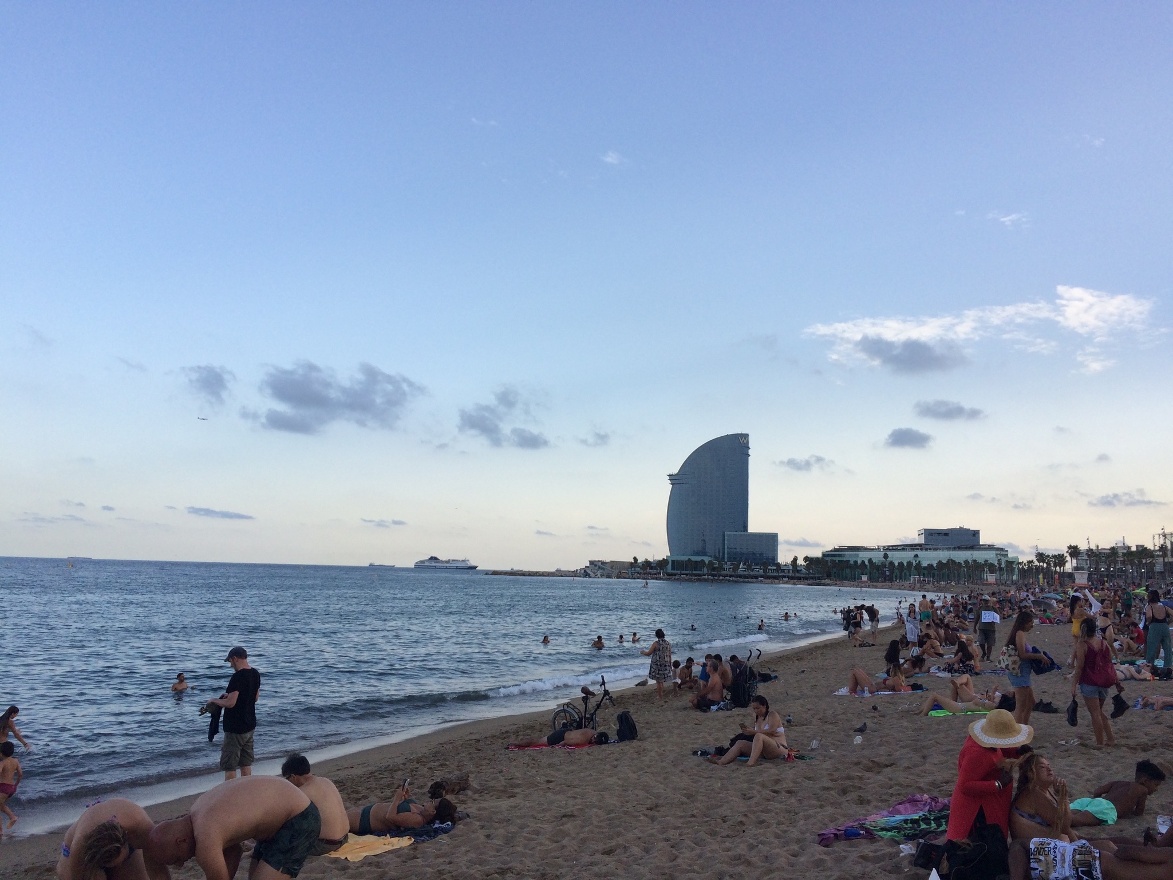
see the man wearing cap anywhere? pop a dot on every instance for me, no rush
(239, 702)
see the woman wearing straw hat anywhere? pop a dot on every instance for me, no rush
(983, 773)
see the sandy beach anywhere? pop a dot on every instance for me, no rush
(648, 807)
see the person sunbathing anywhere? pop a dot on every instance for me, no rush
(564, 737)
(859, 681)
(1156, 702)
(765, 739)
(399, 814)
(1125, 797)
(1139, 672)
(958, 707)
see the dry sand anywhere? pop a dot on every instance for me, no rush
(646, 809)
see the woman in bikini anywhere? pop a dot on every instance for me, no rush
(402, 812)
(1040, 803)
(769, 736)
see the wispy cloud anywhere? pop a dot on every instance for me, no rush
(311, 397)
(383, 523)
(133, 366)
(947, 411)
(542, 533)
(800, 542)
(1103, 458)
(37, 519)
(107, 507)
(935, 343)
(597, 529)
(1016, 220)
(488, 421)
(994, 499)
(908, 438)
(208, 382)
(806, 465)
(1125, 499)
(35, 337)
(65, 502)
(595, 439)
(218, 514)
(612, 157)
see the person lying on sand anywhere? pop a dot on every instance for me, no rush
(1128, 797)
(713, 691)
(400, 812)
(1156, 702)
(858, 681)
(109, 840)
(273, 811)
(564, 737)
(325, 797)
(1139, 672)
(958, 706)
(766, 738)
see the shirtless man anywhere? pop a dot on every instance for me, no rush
(324, 794)
(180, 684)
(563, 737)
(109, 839)
(713, 691)
(1129, 796)
(282, 819)
(684, 676)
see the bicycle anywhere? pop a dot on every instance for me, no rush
(569, 717)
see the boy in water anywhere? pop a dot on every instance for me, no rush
(10, 776)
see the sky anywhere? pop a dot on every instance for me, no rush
(368, 282)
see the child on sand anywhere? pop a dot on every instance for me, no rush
(1128, 797)
(10, 776)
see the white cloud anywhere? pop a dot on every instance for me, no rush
(936, 342)
(1017, 220)
(612, 157)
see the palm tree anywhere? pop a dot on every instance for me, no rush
(1073, 552)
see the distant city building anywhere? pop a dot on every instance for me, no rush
(936, 548)
(708, 508)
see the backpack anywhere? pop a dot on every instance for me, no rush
(625, 728)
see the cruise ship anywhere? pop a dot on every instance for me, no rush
(436, 562)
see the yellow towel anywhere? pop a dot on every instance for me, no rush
(359, 847)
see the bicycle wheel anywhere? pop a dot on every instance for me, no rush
(565, 718)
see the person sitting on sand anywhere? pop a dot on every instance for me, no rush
(1040, 807)
(724, 671)
(325, 796)
(768, 736)
(564, 737)
(1126, 797)
(598, 643)
(180, 684)
(402, 812)
(109, 839)
(10, 776)
(930, 647)
(963, 662)
(684, 674)
(914, 665)
(713, 691)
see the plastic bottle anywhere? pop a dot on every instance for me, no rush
(858, 740)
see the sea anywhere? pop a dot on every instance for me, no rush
(350, 658)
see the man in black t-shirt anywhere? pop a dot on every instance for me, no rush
(240, 715)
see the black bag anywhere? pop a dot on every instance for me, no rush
(1073, 713)
(625, 728)
(928, 855)
(1007, 702)
(983, 856)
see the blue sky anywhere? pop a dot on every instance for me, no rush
(369, 282)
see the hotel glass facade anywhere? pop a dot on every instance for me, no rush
(709, 497)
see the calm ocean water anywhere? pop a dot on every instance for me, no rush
(347, 655)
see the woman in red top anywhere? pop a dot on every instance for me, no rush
(1094, 674)
(983, 773)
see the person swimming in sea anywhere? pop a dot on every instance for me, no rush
(180, 684)
(545, 640)
(598, 643)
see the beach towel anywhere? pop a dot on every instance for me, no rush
(1102, 808)
(1137, 705)
(942, 713)
(358, 847)
(563, 746)
(931, 815)
(844, 692)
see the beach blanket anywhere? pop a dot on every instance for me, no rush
(1136, 705)
(916, 816)
(563, 746)
(358, 847)
(844, 692)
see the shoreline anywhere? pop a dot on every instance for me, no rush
(345, 757)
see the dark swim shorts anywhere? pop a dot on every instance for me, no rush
(555, 738)
(287, 850)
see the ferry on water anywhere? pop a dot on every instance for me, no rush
(436, 562)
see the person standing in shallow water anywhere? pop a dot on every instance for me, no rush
(660, 669)
(240, 715)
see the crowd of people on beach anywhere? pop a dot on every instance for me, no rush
(1005, 790)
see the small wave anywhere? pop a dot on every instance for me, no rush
(554, 682)
(740, 640)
